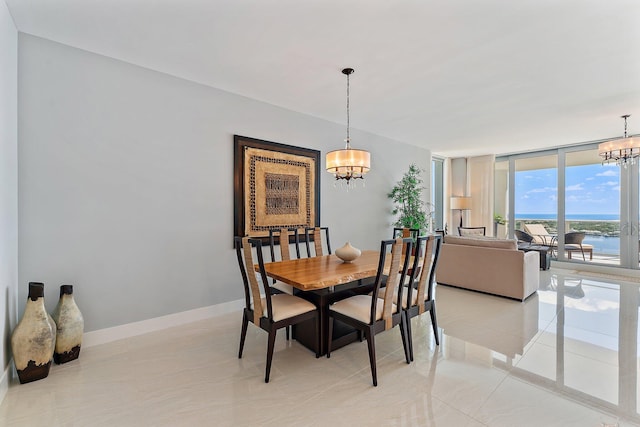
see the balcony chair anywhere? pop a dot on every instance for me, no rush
(573, 243)
(540, 235)
(524, 238)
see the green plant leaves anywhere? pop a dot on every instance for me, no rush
(408, 202)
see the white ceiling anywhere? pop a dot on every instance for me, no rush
(460, 77)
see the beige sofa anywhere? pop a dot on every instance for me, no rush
(494, 266)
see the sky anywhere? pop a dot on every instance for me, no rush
(590, 189)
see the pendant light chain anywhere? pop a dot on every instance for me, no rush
(348, 123)
(348, 165)
(624, 117)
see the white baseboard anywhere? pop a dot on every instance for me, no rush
(103, 336)
(4, 381)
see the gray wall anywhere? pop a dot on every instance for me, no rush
(8, 180)
(125, 183)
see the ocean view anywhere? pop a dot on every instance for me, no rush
(570, 217)
(608, 245)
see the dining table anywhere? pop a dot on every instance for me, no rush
(324, 280)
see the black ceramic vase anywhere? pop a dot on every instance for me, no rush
(33, 339)
(70, 325)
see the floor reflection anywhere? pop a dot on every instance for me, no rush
(567, 356)
(499, 324)
(577, 337)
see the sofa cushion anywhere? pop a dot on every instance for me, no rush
(486, 242)
(472, 232)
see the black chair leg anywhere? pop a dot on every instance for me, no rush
(410, 336)
(287, 332)
(368, 333)
(243, 333)
(329, 336)
(405, 340)
(434, 321)
(270, 345)
(318, 342)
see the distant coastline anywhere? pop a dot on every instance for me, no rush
(570, 217)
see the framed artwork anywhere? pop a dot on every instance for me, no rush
(275, 186)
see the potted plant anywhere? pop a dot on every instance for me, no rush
(407, 196)
(497, 220)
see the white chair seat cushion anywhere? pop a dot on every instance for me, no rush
(359, 307)
(283, 287)
(285, 306)
(585, 246)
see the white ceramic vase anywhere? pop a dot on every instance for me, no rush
(348, 253)
(33, 339)
(70, 325)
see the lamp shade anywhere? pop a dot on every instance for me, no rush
(460, 202)
(620, 149)
(348, 162)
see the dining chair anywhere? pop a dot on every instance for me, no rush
(315, 234)
(284, 237)
(472, 231)
(377, 312)
(268, 312)
(405, 232)
(286, 234)
(418, 294)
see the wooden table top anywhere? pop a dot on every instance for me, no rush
(323, 271)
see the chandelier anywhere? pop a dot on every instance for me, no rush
(348, 164)
(622, 151)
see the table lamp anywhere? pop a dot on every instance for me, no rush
(461, 203)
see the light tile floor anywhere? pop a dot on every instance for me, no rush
(567, 356)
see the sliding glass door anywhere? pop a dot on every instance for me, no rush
(592, 207)
(536, 196)
(591, 210)
(629, 218)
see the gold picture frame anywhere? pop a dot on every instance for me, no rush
(275, 186)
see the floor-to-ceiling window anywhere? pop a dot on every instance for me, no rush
(501, 199)
(437, 192)
(592, 206)
(536, 194)
(572, 195)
